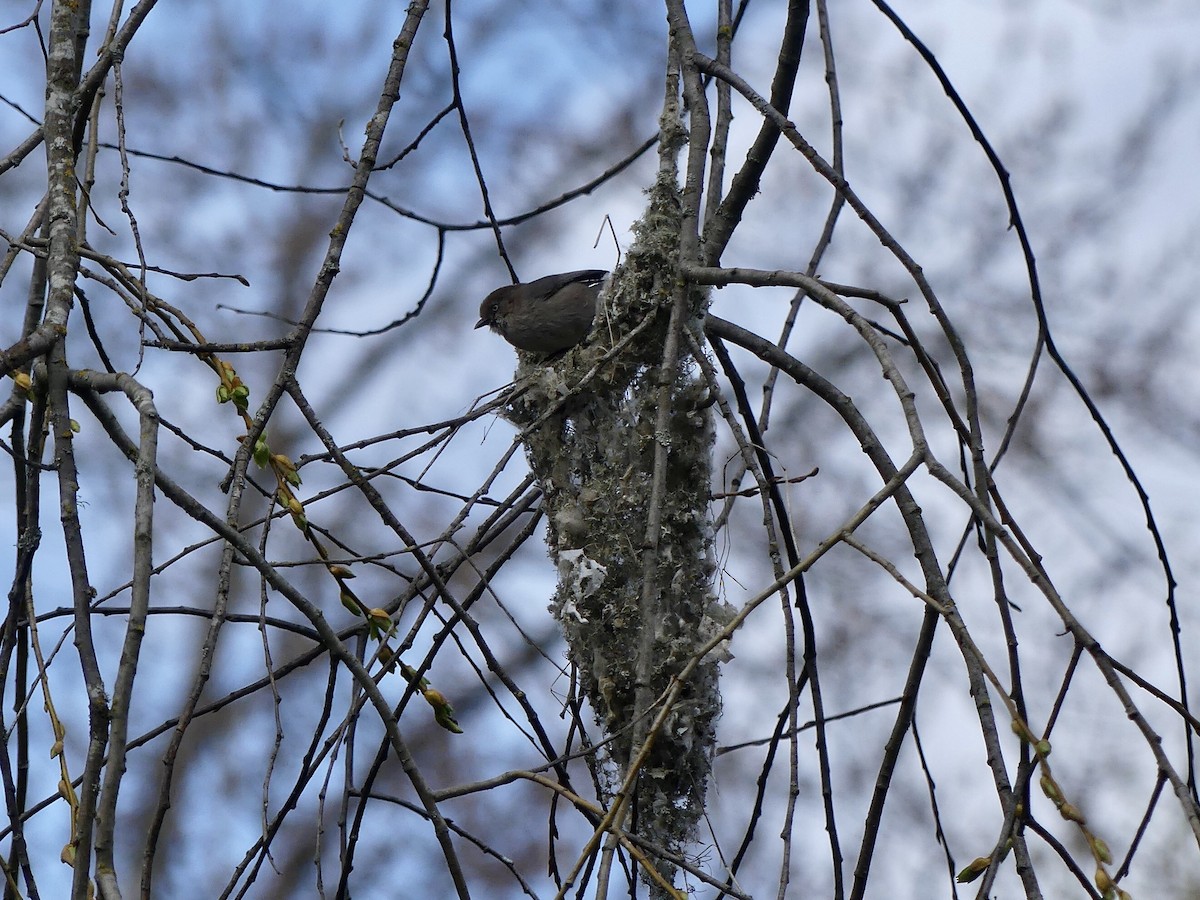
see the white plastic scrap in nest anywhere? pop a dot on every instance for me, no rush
(581, 577)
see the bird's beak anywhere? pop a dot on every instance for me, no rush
(481, 323)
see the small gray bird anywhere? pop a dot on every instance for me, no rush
(547, 315)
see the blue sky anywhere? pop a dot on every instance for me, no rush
(1089, 106)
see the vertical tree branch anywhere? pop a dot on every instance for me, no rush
(122, 696)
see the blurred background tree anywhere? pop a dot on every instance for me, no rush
(190, 208)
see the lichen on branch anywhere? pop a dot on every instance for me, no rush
(592, 428)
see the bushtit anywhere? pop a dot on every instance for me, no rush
(547, 315)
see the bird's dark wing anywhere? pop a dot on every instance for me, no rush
(545, 287)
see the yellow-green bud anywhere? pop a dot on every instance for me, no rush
(1050, 789)
(262, 452)
(1071, 813)
(973, 869)
(1100, 849)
